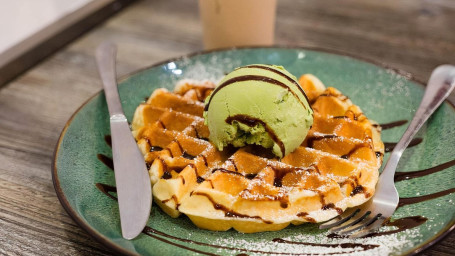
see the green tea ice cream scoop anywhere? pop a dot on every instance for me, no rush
(259, 104)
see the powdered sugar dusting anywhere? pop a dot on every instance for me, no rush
(320, 244)
(204, 69)
(296, 242)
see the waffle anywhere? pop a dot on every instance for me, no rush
(248, 188)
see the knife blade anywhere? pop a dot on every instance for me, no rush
(131, 176)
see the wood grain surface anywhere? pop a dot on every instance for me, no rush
(413, 35)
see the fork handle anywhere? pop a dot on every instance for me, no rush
(441, 83)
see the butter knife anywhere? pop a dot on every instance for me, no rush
(131, 176)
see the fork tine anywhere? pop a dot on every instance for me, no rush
(362, 224)
(369, 229)
(361, 215)
(340, 219)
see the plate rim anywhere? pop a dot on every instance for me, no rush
(120, 250)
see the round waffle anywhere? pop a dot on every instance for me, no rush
(248, 188)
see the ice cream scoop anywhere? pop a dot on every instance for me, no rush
(258, 104)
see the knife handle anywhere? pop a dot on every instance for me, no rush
(105, 56)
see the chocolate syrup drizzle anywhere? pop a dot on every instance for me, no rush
(389, 146)
(283, 75)
(401, 224)
(364, 247)
(252, 78)
(251, 122)
(264, 79)
(399, 176)
(391, 125)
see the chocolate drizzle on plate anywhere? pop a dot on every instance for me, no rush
(106, 189)
(389, 146)
(108, 140)
(400, 224)
(364, 247)
(418, 199)
(399, 176)
(391, 124)
(106, 160)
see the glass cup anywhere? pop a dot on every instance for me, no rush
(229, 23)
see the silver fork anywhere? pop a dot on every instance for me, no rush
(365, 219)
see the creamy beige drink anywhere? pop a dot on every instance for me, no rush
(228, 23)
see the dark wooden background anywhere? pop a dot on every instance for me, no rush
(413, 35)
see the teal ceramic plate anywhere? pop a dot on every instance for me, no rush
(83, 179)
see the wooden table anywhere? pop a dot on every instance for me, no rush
(413, 35)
